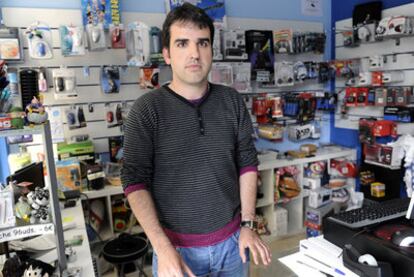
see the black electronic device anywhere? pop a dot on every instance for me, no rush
(33, 173)
(372, 214)
(28, 85)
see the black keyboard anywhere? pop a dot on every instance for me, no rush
(372, 213)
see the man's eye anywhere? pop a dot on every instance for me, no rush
(181, 44)
(204, 43)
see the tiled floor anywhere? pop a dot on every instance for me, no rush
(279, 248)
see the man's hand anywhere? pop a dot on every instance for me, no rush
(250, 239)
(170, 264)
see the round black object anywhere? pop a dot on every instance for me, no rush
(125, 248)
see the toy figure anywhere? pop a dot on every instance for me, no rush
(39, 201)
(35, 112)
(37, 268)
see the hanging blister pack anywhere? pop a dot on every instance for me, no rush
(39, 41)
(156, 46)
(96, 37)
(217, 54)
(138, 44)
(284, 75)
(110, 80)
(64, 81)
(113, 115)
(117, 33)
(221, 73)
(41, 81)
(149, 77)
(72, 41)
(241, 77)
(11, 48)
(75, 117)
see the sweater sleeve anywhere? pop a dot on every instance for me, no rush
(138, 148)
(246, 151)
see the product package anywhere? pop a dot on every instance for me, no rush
(116, 148)
(234, 45)
(75, 117)
(283, 41)
(138, 44)
(113, 114)
(110, 79)
(149, 77)
(117, 34)
(221, 73)
(103, 12)
(11, 48)
(96, 37)
(156, 46)
(64, 80)
(284, 74)
(72, 41)
(241, 77)
(217, 54)
(259, 46)
(39, 40)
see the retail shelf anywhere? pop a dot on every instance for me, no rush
(383, 165)
(106, 191)
(28, 130)
(263, 202)
(324, 153)
(26, 231)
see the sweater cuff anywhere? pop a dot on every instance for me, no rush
(247, 169)
(135, 187)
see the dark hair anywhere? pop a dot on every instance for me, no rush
(186, 13)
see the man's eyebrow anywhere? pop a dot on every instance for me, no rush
(204, 40)
(181, 40)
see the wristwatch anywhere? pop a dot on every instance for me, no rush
(251, 224)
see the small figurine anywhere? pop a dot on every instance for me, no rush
(39, 201)
(35, 112)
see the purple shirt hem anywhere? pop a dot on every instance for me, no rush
(133, 188)
(247, 169)
(201, 240)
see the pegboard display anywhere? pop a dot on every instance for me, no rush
(391, 58)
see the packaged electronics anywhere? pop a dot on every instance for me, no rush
(11, 48)
(217, 54)
(28, 85)
(138, 44)
(96, 37)
(283, 41)
(393, 77)
(116, 149)
(7, 218)
(234, 44)
(117, 34)
(399, 113)
(156, 46)
(394, 26)
(75, 117)
(72, 41)
(284, 74)
(113, 114)
(319, 197)
(39, 41)
(83, 151)
(64, 80)
(149, 77)
(376, 62)
(300, 132)
(241, 77)
(110, 79)
(365, 79)
(383, 154)
(221, 73)
(259, 46)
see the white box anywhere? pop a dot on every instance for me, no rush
(281, 216)
(311, 183)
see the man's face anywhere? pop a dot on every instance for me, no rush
(190, 53)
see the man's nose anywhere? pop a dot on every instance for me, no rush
(194, 51)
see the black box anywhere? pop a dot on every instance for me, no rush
(399, 113)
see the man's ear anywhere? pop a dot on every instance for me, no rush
(166, 55)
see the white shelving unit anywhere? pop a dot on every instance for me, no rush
(107, 231)
(296, 205)
(19, 232)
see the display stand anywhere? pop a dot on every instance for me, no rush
(56, 227)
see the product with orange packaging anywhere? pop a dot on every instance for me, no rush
(149, 77)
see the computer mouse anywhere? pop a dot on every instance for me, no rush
(40, 49)
(96, 34)
(116, 34)
(404, 238)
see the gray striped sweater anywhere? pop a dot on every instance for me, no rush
(189, 156)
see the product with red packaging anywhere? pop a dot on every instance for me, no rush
(343, 167)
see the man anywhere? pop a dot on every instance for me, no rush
(190, 166)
